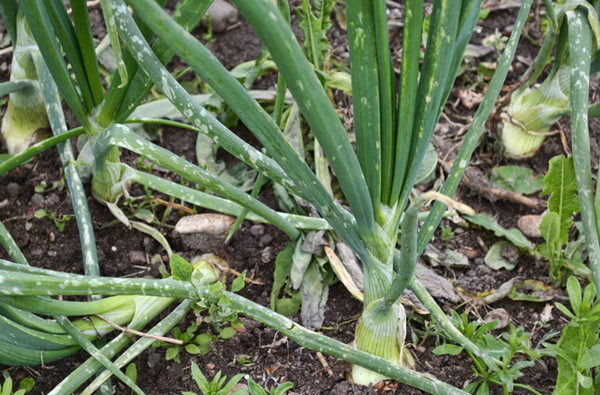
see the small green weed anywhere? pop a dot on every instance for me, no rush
(25, 386)
(516, 341)
(59, 220)
(578, 350)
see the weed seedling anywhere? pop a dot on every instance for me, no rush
(25, 386)
(514, 342)
(578, 350)
(218, 386)
(59, 220)
(447, 234)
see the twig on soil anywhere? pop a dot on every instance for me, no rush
(175, 206)
(6, 50)
(323, 361)
(275, 343)
(138, 333)
(513, 196)
(236, 273)
(478, 183)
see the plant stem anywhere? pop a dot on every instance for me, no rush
(82, 285)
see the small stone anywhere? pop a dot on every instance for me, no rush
(37, 199)
(257, 230)
(266, 239)
(267, 255)
(530, 225)
(206, 232)
(52, 200)
(13, 189)
(214, 224)
(222, 14)
(210, 366)
(37, 252)
(137, 257)
(499, 315)
(52, 254)
(113, 249)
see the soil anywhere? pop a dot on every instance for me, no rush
(273, 360)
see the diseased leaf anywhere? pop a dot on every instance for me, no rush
(518, 179)
(514, 235)
(314, 292)
(300, 261)
(532, 291)
(180, 268)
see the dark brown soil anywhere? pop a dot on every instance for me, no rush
(271, 360)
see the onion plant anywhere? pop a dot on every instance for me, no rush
(394, 123)
(25, 117)
(534, 110)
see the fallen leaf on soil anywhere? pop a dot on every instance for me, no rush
(410, 299)
(449, 257)
(314, 242)
(502, 291)
(495, 257)
(513, 235)
(436, 285)
(300, 261)
(350, 261)
(314, 292)
(343, 274)
(532, 291)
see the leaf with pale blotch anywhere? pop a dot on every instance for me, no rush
(561, 184)
(314, 292)
(300, 261)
